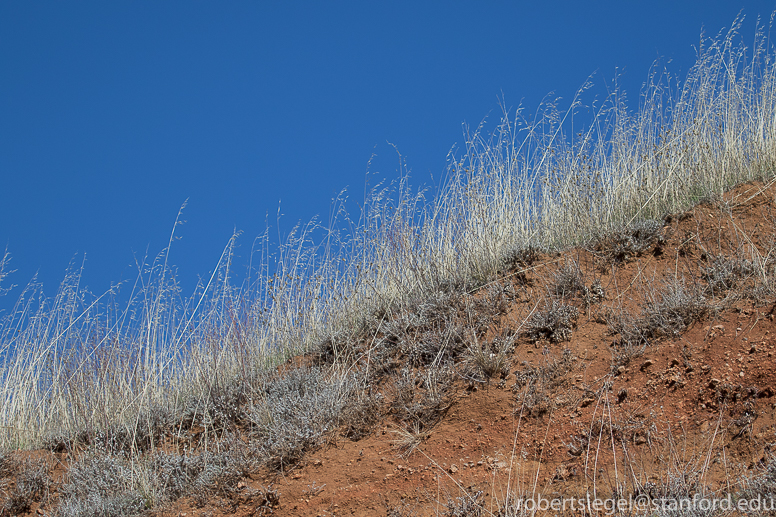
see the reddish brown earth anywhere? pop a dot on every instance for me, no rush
(699, 405)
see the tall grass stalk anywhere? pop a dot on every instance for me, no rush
(83, 362)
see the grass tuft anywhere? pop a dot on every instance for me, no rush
(406, 440)
(483, 362)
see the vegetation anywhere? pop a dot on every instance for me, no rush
(382, 299)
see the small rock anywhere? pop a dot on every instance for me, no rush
(453, 469)
(640, 440)
(646, 364)
(586, 402)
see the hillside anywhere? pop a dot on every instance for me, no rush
(680, 401)
(640, 363)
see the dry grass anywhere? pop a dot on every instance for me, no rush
(484, 361)
(372, 294)
(406, 440)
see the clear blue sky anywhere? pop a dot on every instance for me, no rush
(113, 113)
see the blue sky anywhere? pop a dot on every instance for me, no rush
(114, 113)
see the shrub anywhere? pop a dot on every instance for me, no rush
(200, 475)
(470, 504)
(420, 399)
(101, 485)
(667, 312)
(676, 307)
(361, 413)
(295, 411)
(554, 322)
(567, 281)
(33, 484)
(533, 383)
(629, 242)
(518, 260)
(723, 273)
